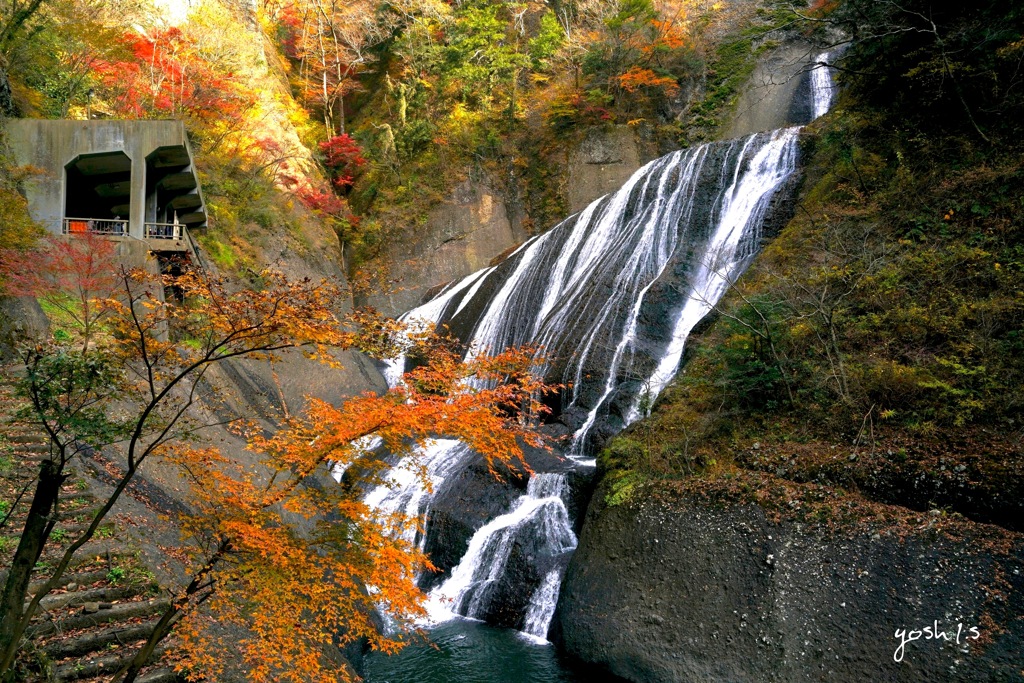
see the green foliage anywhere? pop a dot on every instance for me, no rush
(17, 229)
(478, 55)
(414, 139)
(574, 110)
(732, 65)
(947, 66)
(632, 17)
(637, 40)
(65, 386)
(888, 311)
(751, 371)
(63, 323)
(622, 488)
(52, 59)
(546, 43)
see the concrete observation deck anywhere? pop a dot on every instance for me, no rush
(131, 181)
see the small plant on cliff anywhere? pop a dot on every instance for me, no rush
(295, 591)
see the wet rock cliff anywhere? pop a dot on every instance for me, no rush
(669, 588)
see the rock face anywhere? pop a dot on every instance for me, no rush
(473, 496)
(670, 590)
(21, 319)
(603, 162)
(460, 236)
(777, 94)
(477, 224)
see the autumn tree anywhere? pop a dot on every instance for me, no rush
(343, 159)
(294, 590)
(172, 72)
(331, 41)
(51, 54)
(14, 17)
(68, 276)
(640, 50)
(18, 230)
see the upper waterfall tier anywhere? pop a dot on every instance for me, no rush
(611, 293)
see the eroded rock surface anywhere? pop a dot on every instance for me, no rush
(664, 589)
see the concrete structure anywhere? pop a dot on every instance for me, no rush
(133, 181)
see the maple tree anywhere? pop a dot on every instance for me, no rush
(639, 48)
(295, 590)
(636, 78)
(343, 158)
(167, 72)
(67, 275)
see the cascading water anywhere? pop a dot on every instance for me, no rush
(609, 296)
(541, 513)
(405, 491)
(598, 292)
(542, 606)
(823, 89)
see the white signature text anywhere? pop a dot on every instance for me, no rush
(932, 632)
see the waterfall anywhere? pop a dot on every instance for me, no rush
(542, 606)
(823, 88)
(407, 492)
(678, 233)
(409, 486)
(540, 516)
(609, 296)
(743, 208)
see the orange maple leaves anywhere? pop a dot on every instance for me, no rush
(301, 588)
(288, 558)
(637, 77)
(285, 562)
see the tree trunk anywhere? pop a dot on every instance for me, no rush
(33, 539)
(172, 614)
(145, 654)
(7, 107)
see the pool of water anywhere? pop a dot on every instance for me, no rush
(470, 652)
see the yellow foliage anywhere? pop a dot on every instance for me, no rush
(17, 229)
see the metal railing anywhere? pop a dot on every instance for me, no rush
(164, 231)
(97, 226)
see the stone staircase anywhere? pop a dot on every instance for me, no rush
(106, 604)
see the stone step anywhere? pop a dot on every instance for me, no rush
(94, 547)
(26, 437)
(81, 578)
(71, 531)
(98, 640)
(76, 598)
(16, 523)
(114, 614)
(97, 666)
(41, 447)
(79, 499)
(31, 461)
